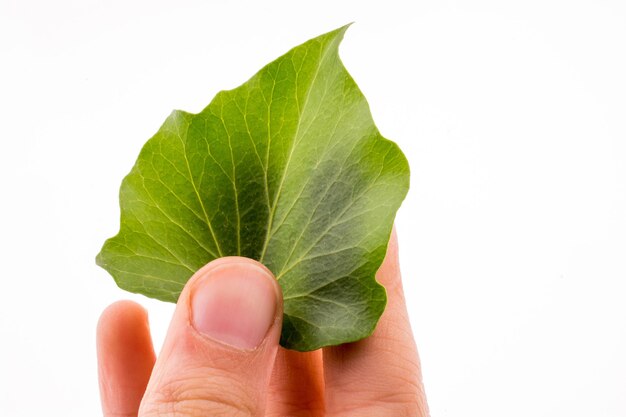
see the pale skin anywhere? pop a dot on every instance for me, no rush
(235, 367)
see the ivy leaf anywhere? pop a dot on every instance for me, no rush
(288, 169)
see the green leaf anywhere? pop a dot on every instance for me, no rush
(288, 169)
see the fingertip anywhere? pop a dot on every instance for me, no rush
(236, 301)
(125, 357)
(234, 261)
(388, 274)
(123, 324)
(122, 312)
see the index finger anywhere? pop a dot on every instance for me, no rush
(379, 375)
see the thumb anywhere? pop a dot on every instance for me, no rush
(220, 348)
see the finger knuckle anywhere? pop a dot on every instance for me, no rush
(199, 396)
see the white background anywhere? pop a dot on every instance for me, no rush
(513, 236)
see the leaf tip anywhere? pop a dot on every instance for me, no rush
(340, 32)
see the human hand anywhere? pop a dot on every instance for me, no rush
(221, 355)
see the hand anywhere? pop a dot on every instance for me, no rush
(221, 355)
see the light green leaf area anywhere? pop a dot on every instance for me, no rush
(288, 169)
